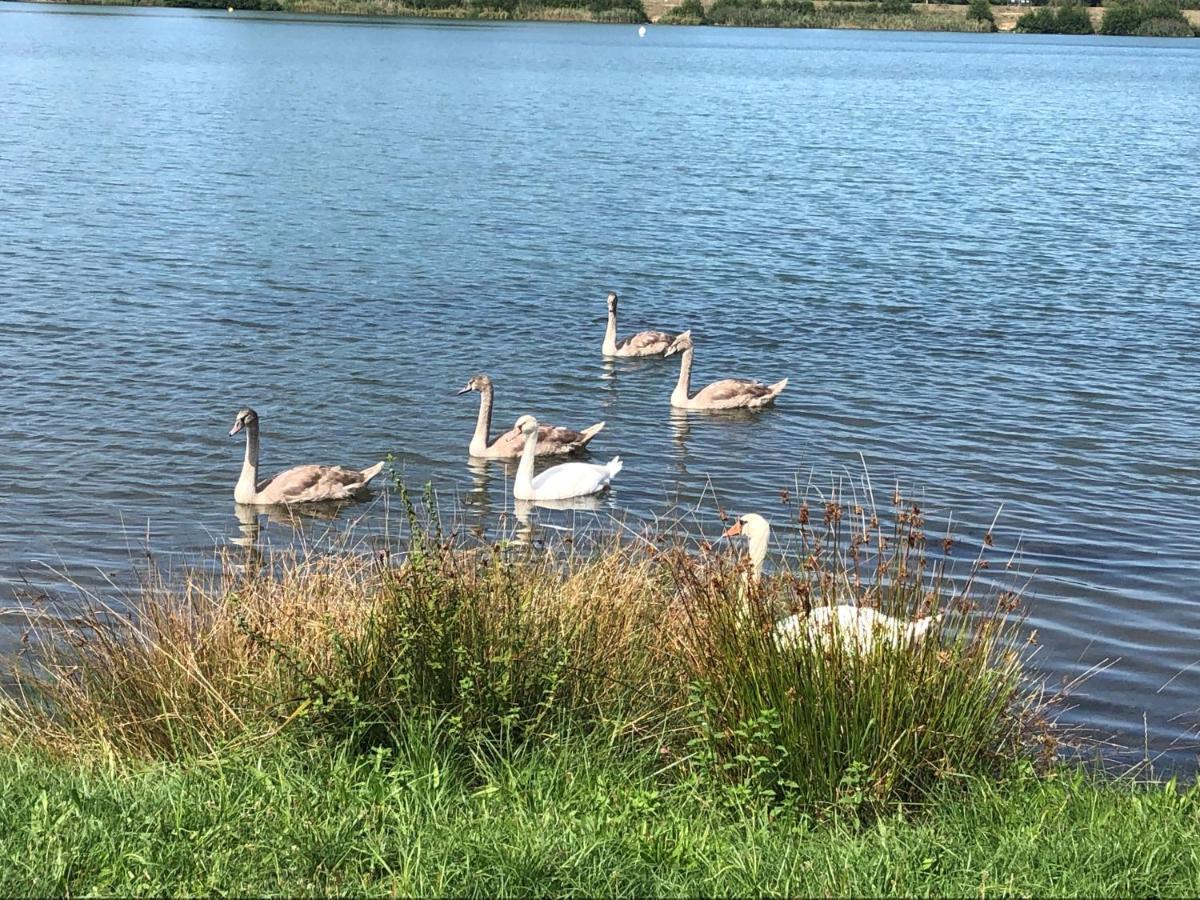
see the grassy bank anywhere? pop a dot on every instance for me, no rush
(609, 715)
(576, 818)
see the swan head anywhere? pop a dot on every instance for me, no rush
(752, 525)
(681, 343)
(527, 425)
(479, 383)
(612, 301)
(245, 418)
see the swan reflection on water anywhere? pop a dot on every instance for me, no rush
(523, 511)
(249, 536)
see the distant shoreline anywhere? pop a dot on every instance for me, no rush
(943, 17)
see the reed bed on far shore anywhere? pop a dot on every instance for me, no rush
(658, 642)
(888, 15)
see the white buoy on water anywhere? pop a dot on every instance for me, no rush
(641, 31)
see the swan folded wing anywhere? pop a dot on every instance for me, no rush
(856, 628)
(552, 440)
(310, 484)
(572, 480)
(736, 392)
(646, 342)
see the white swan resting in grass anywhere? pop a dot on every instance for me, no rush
(303, 484)
(858, 628)
(572, 479)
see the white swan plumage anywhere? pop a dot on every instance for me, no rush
(857, 628)
(561, 482)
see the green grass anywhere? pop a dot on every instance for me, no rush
(575, 818)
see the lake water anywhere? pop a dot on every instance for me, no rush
(974, 256)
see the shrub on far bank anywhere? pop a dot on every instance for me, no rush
(1152, 18)
(1069, 18)
(689, 12)
(981, 11)
(760, 13)
(896, 15)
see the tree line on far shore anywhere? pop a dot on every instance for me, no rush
(1143, 18)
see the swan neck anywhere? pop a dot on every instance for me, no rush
(758, 555)
(610, 334)
(523, 482)
(683, 386)
(483, 425)
(247, 485)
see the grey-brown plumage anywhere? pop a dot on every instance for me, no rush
(553, 440)
(728, 393)
(302, 484)
(644, 343)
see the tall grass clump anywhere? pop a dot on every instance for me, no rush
(501, 646)
(655, 641)
(186, 666)
(1148, 18)
(829, 722)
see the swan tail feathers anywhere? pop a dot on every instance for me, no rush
(614, 467)
(777, 387)
(368, 474)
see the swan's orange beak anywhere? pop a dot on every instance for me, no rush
(237, 426)
(733, 530)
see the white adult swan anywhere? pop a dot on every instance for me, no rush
(644, 343)
(572, 479)
(729, 393)
(303, 484)
(857, 627)
(552, 440)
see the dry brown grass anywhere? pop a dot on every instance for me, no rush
(652, 638)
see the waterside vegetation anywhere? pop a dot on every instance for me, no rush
(1147, 18)
(1144, 18)
(611, 714)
